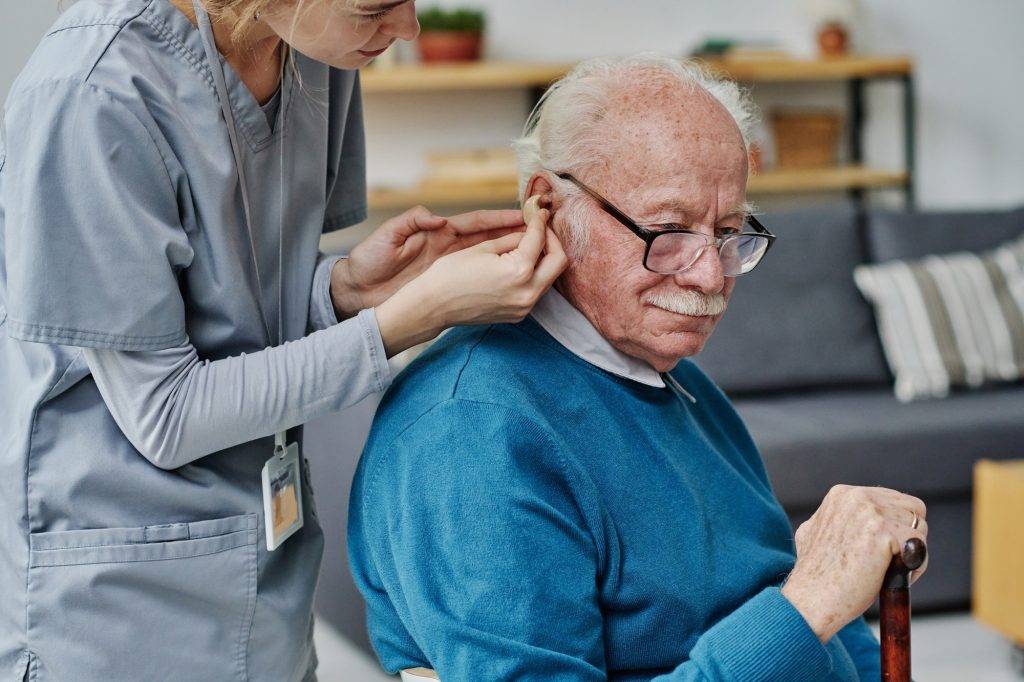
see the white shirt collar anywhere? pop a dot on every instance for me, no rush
(573, 330)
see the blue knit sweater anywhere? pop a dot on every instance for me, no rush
(520, 514)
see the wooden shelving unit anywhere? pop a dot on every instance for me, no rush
(482, 76)
(842, 178)
(509, 75)
(456, 77)
(430, 194)
(797, 70)
(824, 180)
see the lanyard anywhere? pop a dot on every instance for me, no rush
(213, 58)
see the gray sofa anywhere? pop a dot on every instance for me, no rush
(799, 355)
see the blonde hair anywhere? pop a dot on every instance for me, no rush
(239, 14)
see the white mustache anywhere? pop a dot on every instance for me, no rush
(689, 302)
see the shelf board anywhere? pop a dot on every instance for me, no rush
(493, 75)
(792, 69)
(485, 75)
(824, 180)
(449, 194)
(768, 182)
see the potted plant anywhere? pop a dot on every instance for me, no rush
(834, 20)
(450, 35)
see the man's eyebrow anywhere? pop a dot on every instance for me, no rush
(666, 202)
(743, 209)
(663, 201)
(379, 7)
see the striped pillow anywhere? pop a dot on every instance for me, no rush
(953, 320)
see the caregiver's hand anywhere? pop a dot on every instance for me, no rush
(496, 281)
(843, 551)
(404, 247)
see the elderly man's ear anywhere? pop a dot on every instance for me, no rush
(539, 194)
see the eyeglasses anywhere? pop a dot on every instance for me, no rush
(676, 250)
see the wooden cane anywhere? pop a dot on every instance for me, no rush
(894, 607)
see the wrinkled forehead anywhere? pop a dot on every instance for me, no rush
(659, 137)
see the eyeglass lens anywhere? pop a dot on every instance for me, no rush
(674, 252)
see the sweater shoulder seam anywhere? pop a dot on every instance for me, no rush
(469, 357)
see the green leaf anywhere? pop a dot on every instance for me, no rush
(438, 19)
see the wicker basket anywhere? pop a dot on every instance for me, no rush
(805, 138)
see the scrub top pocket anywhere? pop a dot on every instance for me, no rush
(143, 603)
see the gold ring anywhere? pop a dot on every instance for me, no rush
(916, 520)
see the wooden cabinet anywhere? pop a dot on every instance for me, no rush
(998, 581)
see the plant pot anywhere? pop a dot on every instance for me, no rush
(833, 40)
(450, 46)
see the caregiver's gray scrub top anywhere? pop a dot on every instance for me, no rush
(122, 231)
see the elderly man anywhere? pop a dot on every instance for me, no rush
(566, 498)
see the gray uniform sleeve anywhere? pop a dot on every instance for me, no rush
(321, 309)
(94, 241)
(176, 408)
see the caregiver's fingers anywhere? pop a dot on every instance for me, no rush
(428, 221)
(416, 219)
(466, 241)
(534, 238)
(552, 264)
(502, 244)
(482, 221)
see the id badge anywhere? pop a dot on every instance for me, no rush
(282, 493)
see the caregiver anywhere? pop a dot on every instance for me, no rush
(166, 171)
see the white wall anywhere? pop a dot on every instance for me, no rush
(970, 85)
(969, 79)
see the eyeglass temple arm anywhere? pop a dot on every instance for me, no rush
(758, 226)
(609, 208)
(628, 222)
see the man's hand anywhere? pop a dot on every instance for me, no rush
(843, 551)
(404, 247)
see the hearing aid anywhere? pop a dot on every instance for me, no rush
(530, 208)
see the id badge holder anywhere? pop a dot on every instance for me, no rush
(282, 492)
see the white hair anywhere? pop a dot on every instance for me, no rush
(564, 132)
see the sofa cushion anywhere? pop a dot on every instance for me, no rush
(903, 235)
(798, 321)
(812, 441)
(950, 320)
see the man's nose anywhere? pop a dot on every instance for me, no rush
(705, 274)
(402, 23)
